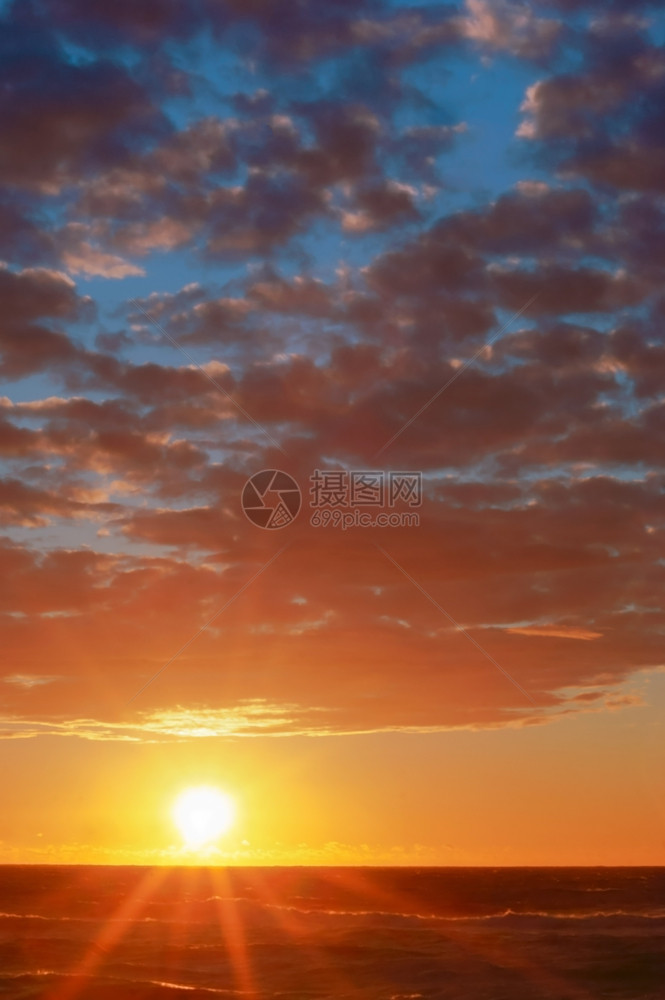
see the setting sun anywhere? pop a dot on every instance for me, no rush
(202, 815)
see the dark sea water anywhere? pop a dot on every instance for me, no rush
(300, 933)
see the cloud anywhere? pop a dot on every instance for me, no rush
(28, 681)
(556, 632)
(60, 117)
(33, 298)
(513, 27)
(88, 260)
(251, 718)
(602, 123)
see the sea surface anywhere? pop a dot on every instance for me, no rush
(94, 933)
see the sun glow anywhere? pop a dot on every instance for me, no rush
(202, 815)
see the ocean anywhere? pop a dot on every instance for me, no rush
(105, 933)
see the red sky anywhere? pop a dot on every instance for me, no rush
(359, 236)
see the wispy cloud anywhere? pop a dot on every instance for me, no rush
(556, 632)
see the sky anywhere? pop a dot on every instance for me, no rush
(409, 256)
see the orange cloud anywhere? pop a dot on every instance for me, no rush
(556, 632)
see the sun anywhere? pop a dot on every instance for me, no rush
(203, 814)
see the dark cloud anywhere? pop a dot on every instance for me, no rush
(22, 237)
(565, 290)
(105, 25)
(60, 119)
(604, 122)
(535, 219)
(31, 507)
(30, 296)
(282, 33)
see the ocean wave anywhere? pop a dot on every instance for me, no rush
(64, 918)
(658, 914)
(359, 915)
(40, 974)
